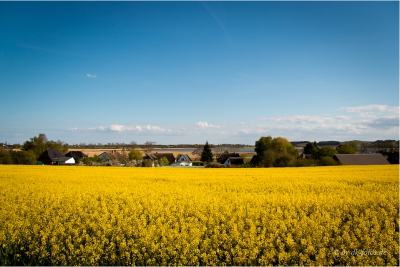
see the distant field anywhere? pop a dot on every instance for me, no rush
(92, 152)
(71, 215)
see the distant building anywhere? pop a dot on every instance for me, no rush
(229, 159)
(233, 161)
(225, 156)
(113, 157)
(77, 155)
(64, 160)
(48, 156)
(153, 157)
(183, 160)
(361, 159)
(306, 156)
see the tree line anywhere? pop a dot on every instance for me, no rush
(31, 150)
(270, 152)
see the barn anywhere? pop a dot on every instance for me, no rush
(361, 159)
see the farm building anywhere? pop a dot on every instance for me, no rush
(113, 157)
(361, 159)
(49, 156)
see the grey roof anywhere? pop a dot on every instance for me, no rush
(225, 156)
(186, 157)
(157, 156)
(113, 155)
(47, 157)
(236, 160)
(361, 159)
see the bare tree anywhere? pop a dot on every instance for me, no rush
(218, 151)
(233, 148)
(364, 148)
(133, 145)
(197, 153)
(148, 146)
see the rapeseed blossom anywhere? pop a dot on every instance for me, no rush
(343, 215)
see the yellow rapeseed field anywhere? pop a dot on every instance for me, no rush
(343, 215)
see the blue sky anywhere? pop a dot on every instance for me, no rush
(187, 72)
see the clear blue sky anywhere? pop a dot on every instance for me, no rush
(187, 72)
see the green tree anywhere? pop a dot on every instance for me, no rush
(346, 149)
(135, 155)
(283, 146)
(17, 146)
(311, 148)
(163, 161)
(5, 157)
(284, 160)
(59, 145)
(24, 157)
(262, 145)
(146, 163)
(37, 144)
(325, 151)
(327, 161)
(206, 155)
(277, 152)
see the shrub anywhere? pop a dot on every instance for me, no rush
(146, 163)
(215, 165)
(327, 161)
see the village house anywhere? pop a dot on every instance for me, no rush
(229, 159)
(55, 157)
(183, 160)
(113, 157)
(155, 157)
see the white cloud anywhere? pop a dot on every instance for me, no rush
(124, 128)
(299, 119)
(117, 128)
(372, 111)
(384, 122)
(367, 108)
(100, 128)
(154, 128)
(203, 124)
(91, 75)
(371, 121)
(364, 123)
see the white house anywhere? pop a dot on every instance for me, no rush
(183, 160)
